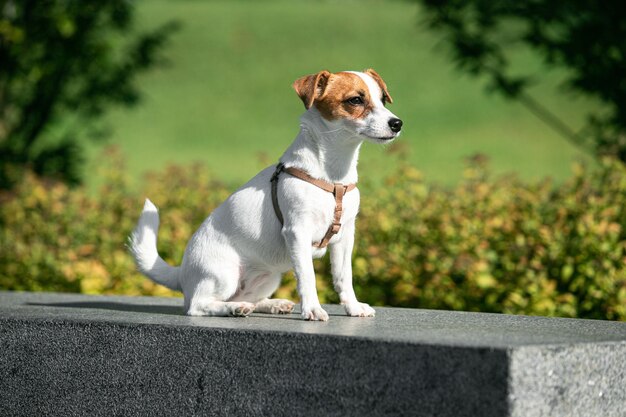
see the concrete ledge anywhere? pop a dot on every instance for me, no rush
(76, 355)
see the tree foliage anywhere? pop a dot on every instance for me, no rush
(586, 38)
(61, 61)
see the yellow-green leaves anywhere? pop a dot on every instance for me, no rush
(488, 244)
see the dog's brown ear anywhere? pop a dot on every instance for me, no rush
(311, 87)
(380, 82)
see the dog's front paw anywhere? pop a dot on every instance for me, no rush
(314, 313)
(357, 309)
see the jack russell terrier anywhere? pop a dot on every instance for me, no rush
(287, 214)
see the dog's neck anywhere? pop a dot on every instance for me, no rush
(324, 151)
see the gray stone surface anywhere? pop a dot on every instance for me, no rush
(89, 355)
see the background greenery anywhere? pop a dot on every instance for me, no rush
(582, 38)
(487, 244)
(444, 232)
(62, 65)
(226, 98)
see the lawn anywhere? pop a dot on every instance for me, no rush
(226, 99)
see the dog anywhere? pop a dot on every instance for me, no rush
(287, 214)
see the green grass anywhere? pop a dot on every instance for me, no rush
(226, 97)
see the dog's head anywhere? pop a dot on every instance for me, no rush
(354, 101)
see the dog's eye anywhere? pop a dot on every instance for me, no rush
(355, 101)
(384, 100)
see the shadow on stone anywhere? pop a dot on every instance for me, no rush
(135, 308)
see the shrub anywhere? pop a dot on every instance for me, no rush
(55, 238)
(488, 244)
(496, 245)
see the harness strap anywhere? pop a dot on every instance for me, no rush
(274, 181)
(338, 190)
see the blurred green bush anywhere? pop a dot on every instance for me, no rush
(489, 244)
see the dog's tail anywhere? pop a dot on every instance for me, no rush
(142, 245)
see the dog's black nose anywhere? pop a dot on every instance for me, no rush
(395, 125)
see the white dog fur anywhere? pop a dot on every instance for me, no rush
(234, 261)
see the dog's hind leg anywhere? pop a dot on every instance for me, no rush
(257, 286)
(207, 297)
(208, 307)
(274, 306)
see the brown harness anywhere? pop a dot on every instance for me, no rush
(338, 190)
